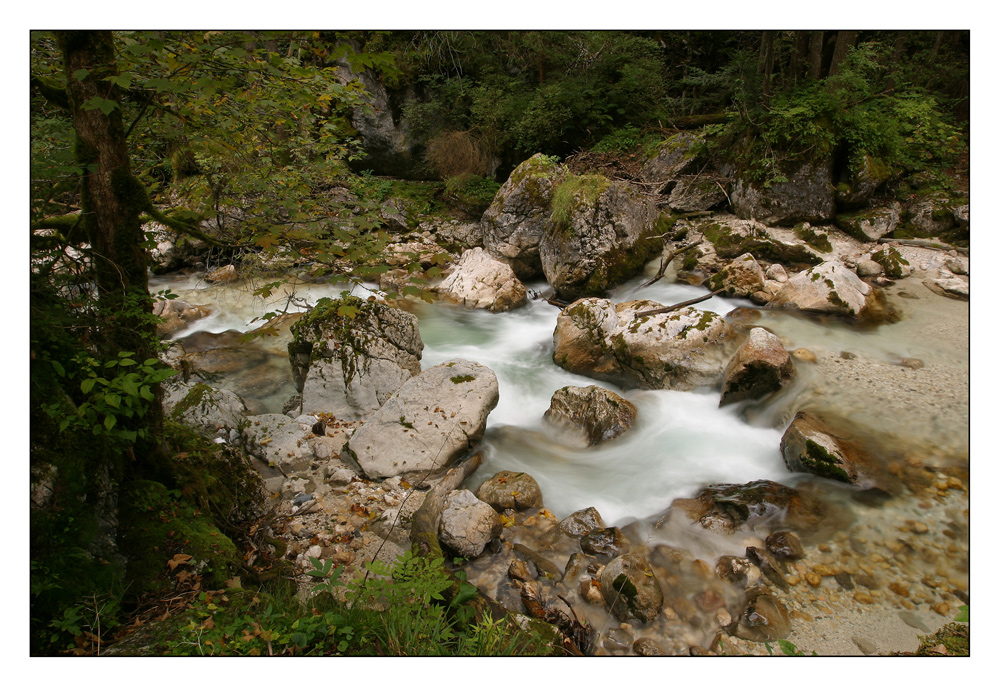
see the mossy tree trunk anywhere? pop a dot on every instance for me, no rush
(112, 200)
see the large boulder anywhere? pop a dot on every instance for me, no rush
(480, 281)
(594, 413)
(348, 356)
(741, 278)
(682, 349)
(212, 412)
(676, 155)
(598, 238)
(630, 588)
(808, 446)
(695, 194)
(807, 195)
(760, 366)
(865, 174)
(871, 224)
(468, 524)
(278, 440)
(829, 288)
(430, 422)
(520, 213)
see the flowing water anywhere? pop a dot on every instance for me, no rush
(682, 441)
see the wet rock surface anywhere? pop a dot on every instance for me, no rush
(592, 414)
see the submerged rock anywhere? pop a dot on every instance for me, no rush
(631, 589)
(595, 413)
(681, 350)
(729, 507)
(581, 522)
(760, 366)
(764, 619)
(481, 281)
(430, 422)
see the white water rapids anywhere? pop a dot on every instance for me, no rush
(682, 441)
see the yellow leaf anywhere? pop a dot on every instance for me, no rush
(179, 559)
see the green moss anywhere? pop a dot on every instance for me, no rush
(891, 261)
(729, 245)
(158, 525)
(817, 240)
(194, 398)
(624, 586)
(462, 378)
(821, 462)
(574, 192)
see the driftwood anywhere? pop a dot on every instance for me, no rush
(926, 243)
(666, 261)
(678, 306)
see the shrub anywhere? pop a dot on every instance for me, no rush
(457, 153)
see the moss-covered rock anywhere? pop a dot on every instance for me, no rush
(808, 446)
(158, 527)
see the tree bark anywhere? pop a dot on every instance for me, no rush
(765, 66)
(845, 41)
(797, 62)
(112, 201)
(815, 55)
(898, 49)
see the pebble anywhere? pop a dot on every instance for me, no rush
(942, 609)
(723, 617)
(824, 570)
(814, 579)
(863, 598)
(913, 620)
(899, 589)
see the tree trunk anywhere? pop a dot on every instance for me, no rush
(815, 55)
(845, 41)
(898, 49)
(766, 64)
(797, 62)
(112, 200)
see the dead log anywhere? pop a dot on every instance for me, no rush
(678, 306)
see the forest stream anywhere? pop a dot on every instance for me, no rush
(875, 575)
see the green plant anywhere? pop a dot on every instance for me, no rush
(115, 391)
(787, 648)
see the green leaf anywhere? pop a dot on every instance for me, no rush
(81, 74)
(146, 393)
(103, 104)
(113, 400)
(58, 368)
(87, 384)
(963, 614)
(109, 422)
(121, 80)
(348, 311)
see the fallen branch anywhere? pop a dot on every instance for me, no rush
(926, 243)
(666, 261)
(678, 306)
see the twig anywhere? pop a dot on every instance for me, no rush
(666, 261)
(660, 311)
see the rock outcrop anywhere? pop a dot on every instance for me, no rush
(592, 413)
(348, 356)
(760, 366)
(430, 422)
(480, 281)
(683, 349)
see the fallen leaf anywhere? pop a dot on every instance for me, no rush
(179, 559)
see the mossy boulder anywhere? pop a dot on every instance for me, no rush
(742, 277)
(675, 156)
(592, 414)
(865, 175)
(599, 236)
(210, 411)
(694, 194)
(508, 489)
(870, 224)
(808, 446)
(349, 355)
(805, 195)
(829, 288)
(894, 264)
(520, 214)
(761, 366)
(732, 237)
(683, 349)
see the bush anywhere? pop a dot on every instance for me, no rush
(471, 192)
(457, 153)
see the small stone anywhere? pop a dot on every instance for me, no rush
(844, 580)
(824, 570)
(913, 620)
(645, 646)
(942, 609)
(793, 580)
(899, 589)
(863, 597)
(799, 615)
(814, 579)
(912, 363)
(709, 600)
(804, 355)
(785, 545)
(723, 617)
(866, 646)
(825, 548)
(865, 580)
